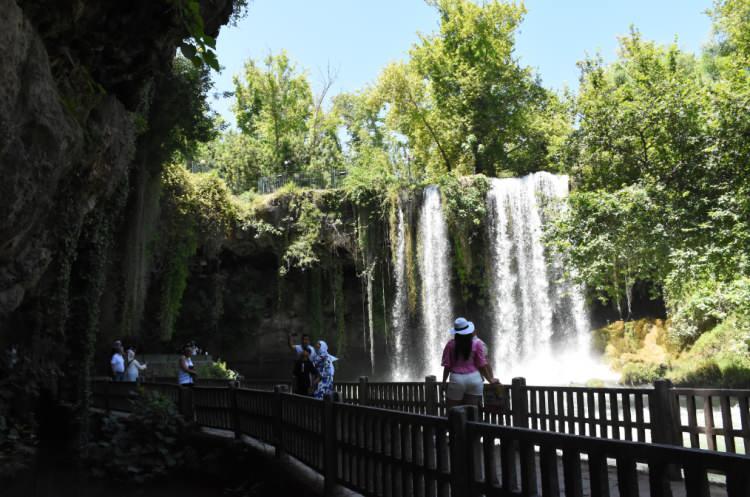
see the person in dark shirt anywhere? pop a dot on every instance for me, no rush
(304, 372)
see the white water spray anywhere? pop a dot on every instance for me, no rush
(540, 325)
(398, 312)
(437, 309)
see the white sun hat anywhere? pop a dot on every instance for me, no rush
(462, 327)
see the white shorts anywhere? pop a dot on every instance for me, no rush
(464, 384)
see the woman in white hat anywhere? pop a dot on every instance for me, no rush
(465, 360)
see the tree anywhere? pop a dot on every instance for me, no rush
(462, 103)
(612, 240)
(479, 89)
(284, 128)
(235, 157)
(273, 105)
(674, 127)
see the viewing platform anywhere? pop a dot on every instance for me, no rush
(397, 439)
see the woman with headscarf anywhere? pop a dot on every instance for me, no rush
(324, 364)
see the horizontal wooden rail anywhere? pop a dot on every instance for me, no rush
(714, 419)
(377, 451)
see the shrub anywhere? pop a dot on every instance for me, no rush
(217, 370)
(638, 373)
(707, 306)
(706, 373)
(143, 446)
(720, 357)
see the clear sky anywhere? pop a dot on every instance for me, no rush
(356, 38)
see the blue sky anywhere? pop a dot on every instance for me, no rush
(356, 38)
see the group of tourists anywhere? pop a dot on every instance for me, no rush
(313, 369)
(464, 361)
(125, 367)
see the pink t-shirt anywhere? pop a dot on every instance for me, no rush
(476, 360)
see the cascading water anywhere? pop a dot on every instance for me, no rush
(398, 312)
(436, 306)
(539, 322)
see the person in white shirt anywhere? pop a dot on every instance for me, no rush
(305, 345)
(117, 362)
(133, 367)
(186, 374)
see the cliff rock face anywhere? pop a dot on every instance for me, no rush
(75, 75)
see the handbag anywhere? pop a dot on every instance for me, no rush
(496, 399)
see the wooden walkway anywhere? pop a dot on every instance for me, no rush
(385, 452)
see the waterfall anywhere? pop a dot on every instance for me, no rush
(539, 321)
(436, 306)
(398, 311)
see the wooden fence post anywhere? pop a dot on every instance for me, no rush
(431, 395)
(278, 422)
(519, 404)
(235, 410)
(663, 416)
(187, 404)
(461, 451)
(364, 391)
(330, 456)
(107, 407)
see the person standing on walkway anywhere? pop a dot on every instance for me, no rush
(133, 367)
(117, 362)
(304, 374)
(186, 373)
(324, 364)
(465, 360)
(305, 345)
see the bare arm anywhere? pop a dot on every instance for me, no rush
(486, 372)
(185, 368)
(446, 372)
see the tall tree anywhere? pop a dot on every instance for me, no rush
(480, 89)
(273, 105)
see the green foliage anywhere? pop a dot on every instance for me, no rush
(613, 240)
(464, 201)
(20, 382)
(661, 169)
(303, 224)
(200, 48)
(644, 350)
(720, 356)
(709, 305)
(370, 178)
(485, 97)
(180, 116)
(146, 445)
(272, 106)
(462, 103)
(216, 370)
(732, 19)
(639, 373)
(196, 210)
(465, 207)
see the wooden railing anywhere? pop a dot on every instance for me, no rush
(376, 451)
(714, 419)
